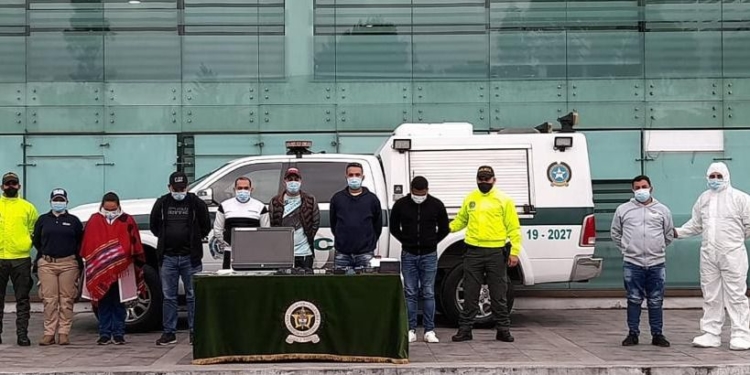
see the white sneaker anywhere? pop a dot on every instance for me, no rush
(412, 336)
(739, 344)
(430, 337)
(707, 340)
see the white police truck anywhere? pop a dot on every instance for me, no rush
(546, 173)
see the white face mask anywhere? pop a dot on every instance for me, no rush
(418, 199)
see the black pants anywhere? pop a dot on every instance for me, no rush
(18, 271)
(304, 262)
(480, 265)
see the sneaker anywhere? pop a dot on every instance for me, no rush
(739, 344)
(431, 337)
(23, 340)
(104, 340)
(707, 340)
(167, 339)
(504, 336)
(412, 335)
(118, 340)
(660, 340)
(462, 335)
(631, 340)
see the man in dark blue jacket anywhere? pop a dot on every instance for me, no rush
(356, 221)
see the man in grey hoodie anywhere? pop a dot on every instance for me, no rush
(642, 228)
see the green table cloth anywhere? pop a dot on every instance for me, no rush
(348, 318)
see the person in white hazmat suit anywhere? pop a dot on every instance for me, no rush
(722, 216)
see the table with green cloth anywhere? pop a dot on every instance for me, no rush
(347, 318)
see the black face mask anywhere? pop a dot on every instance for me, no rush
(11, 192)
(484, 187)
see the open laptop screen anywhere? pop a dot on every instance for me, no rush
(262, 248)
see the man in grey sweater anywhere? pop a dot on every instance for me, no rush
(642, 229)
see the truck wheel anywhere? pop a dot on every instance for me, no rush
(144, 314)
(452, 299)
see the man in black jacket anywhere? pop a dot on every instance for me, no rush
(180, 220)
(419, 221)
(356, 221)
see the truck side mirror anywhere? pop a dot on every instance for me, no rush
(207, 195)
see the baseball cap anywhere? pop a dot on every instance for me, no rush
(292, 172)
(485, 171)
(10, 176)
(178, 180)
(58, 192)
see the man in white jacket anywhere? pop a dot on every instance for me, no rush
(722, 216)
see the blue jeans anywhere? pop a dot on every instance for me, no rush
(645, 283)
(172, 269)
(419, 274)
(342, 260)
(111, 313)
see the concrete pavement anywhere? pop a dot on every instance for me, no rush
(547, 342)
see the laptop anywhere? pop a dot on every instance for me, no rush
(262, 248)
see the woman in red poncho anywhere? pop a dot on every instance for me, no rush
(111, 244)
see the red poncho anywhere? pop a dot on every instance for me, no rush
(108, 250)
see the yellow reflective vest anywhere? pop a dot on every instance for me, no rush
(17, 218)
(490, 220)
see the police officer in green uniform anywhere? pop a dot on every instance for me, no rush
(491, 221)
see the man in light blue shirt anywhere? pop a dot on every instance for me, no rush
(296, 209)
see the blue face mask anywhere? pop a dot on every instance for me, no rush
(178, 196)
(59, 206)
(715, 183)
(243, 195)
(355, 183)
(642, 195)
(292, 187)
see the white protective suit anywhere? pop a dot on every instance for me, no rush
(722, 217)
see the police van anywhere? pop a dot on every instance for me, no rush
(546, 174)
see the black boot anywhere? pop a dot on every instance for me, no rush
(23, 340)
(462, 335)
(631, 340)
(660, 340)
(504, 336)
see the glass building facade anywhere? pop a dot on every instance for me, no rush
(99, 95)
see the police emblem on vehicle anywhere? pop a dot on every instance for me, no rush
(302, 320)
(559, 174)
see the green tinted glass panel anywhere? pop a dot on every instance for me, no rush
(81, 176)
(212, 151)
(605, 54)
(208, 58)
(597, 115)
(683, 54)
(361, 143)
(527, 54)
(142, 56)
(11, 154)
(451, 92)
(297, 118)
(13, 50)
(65, 94)
(683, 89)
(143, 119)
(622, 150)
(736, 89)
(12, 94)
(372, 117)
(684, 114)
(223, 118)
(219, 93)
(476, 114)
(65, 57)
(12, 120)
(603, 90)
(367, 93)
(735, 52)
(737, 114)
(525, 115)
(128, 153)
(65, 120)
(166, 93)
